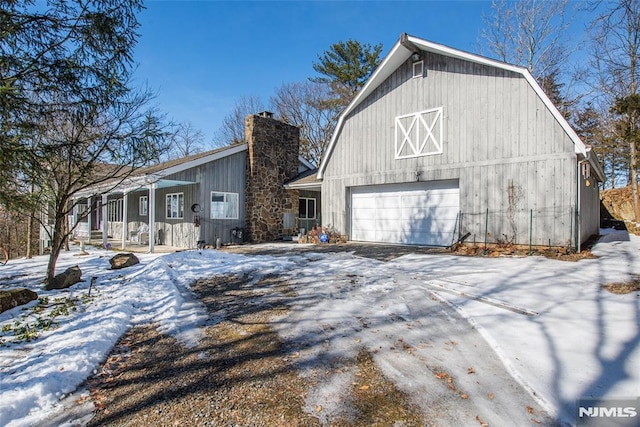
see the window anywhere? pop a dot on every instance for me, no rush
(143, 206)
(418, 69)
(419, 134)
(175, 205)
(307, 208)
(224, 205)
(114, 210)
(81, 209)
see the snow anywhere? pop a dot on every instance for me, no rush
(548, 323)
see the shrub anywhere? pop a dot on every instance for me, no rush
(314, 235)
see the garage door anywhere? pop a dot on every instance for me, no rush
(421, 213)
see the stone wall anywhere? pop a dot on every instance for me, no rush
(272, 160)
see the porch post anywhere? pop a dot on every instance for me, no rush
(90, 214)
(74, 217)
(152, 215)
(103, 222)
(125, 220)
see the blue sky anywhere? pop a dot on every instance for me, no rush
(200, 57)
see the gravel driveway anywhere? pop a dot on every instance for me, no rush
(259, 366)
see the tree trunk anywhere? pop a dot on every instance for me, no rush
(66, 233)
(30, 226)
(613, 170)
(633, 169)
(57, 243)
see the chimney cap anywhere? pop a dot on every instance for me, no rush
(267, 114)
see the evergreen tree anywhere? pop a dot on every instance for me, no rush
(346, 67)
(66, 107)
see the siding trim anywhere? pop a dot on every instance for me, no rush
(481, 163)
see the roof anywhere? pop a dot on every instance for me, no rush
(406, 46)
(307, 180)
(184, 163)
(156, 174)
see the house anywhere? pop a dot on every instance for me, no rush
(232, 194)
(441, 144)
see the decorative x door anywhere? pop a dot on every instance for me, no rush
(419, 134)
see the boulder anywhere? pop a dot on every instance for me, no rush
(15, 297)
(617, 210)
(69, 277)
(123, 261)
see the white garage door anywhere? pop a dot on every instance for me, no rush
(421, 213)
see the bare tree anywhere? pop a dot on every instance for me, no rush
(232, 129)
(615, 60)
(90, 146)
(531, 34)
(304, 105)
(185, 141)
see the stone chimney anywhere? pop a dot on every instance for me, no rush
(271, 211)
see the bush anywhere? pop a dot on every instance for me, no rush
(314, 235)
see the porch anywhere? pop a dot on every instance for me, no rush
(115, 245)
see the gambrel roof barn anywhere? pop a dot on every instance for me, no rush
(441, 143)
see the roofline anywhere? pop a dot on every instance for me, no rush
(403, 49)
(140, 178)
(218, 154)
(305, 162)
(595, 163)
(360, 96)
(305, 186)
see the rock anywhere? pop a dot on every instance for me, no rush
(15, 297)
(69, 277)
(123, 261)
(617, 210)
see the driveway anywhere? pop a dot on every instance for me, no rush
(417, 339)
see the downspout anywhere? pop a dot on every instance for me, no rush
(578, 210)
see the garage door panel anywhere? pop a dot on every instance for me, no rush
(390, 214)
(388, 236)
(432, 227)
(445, 199)
(418, 238)
(365, 201)
(365, 224)
(389, 224)
(440, 212)
(412, 213)
(414, 198)
(388, 201)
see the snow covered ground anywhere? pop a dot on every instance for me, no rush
(550, 322)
